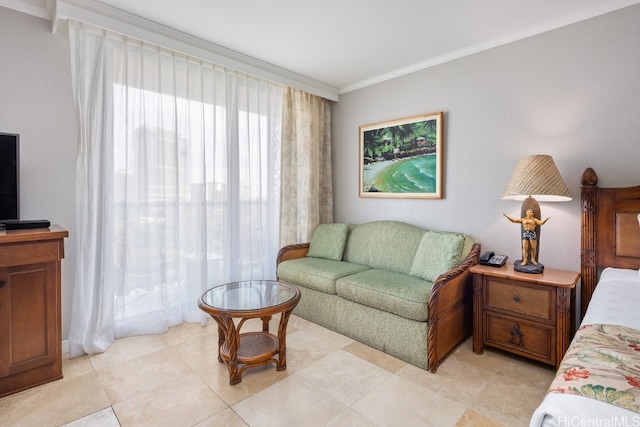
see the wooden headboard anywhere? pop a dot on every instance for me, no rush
(610, 235)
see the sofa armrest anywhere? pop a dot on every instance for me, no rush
(450, 309)
(462, 270)
(292, 252)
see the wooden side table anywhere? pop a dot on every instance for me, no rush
(250, 299)
(531, 315)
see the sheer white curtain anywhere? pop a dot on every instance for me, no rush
(177, 184)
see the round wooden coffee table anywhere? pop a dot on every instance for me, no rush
(253, 299)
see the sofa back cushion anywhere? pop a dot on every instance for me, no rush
(387, 245)
(466, 248)
(438, 253)
(328, 241)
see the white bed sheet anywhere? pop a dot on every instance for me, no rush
(615, 301)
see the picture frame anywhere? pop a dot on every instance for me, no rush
(402, 158)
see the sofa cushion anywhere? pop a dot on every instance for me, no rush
(397, 293)
(438, 253)
(386, 245)
(466, 248)
(316, 273)
(328, 241)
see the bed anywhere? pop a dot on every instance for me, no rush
(598, 380)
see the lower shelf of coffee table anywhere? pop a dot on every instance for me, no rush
(255, 347)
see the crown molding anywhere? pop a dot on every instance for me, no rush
(113, 19)
(116, 20)
(480, 47)
(39, 8)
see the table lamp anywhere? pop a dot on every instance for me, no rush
(535, 179)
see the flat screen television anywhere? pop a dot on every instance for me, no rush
(9, 176)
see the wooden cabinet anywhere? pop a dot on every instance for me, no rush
(531, 315)
(30, 318)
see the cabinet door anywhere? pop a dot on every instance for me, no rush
(28, 317)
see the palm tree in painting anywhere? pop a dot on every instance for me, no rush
(400, 135)
(427, 129)
(400, 139)
(373, 143)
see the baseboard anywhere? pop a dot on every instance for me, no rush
(65, 346)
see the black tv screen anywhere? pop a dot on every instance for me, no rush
(9, 174)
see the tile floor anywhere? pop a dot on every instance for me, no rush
(174, 379)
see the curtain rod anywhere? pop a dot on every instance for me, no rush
(114, 19)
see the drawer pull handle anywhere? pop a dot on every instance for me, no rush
(516, 298)
(517, 336)
(3, 285)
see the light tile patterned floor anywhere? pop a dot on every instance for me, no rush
(174, 379)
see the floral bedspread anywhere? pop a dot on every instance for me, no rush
(602, 363)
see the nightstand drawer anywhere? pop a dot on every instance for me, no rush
(520, 299)
(529, 339)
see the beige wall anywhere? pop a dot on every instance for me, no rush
(573, 93)
(36, 101)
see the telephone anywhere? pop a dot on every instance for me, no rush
(490, 258)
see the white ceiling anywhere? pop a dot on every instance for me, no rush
(348, 44)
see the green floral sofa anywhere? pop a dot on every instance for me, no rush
(393, 286)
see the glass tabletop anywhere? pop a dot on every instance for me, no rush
(249, 295)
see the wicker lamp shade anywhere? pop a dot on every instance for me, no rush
(538, 177)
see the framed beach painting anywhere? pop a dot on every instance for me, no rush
(402, 158)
